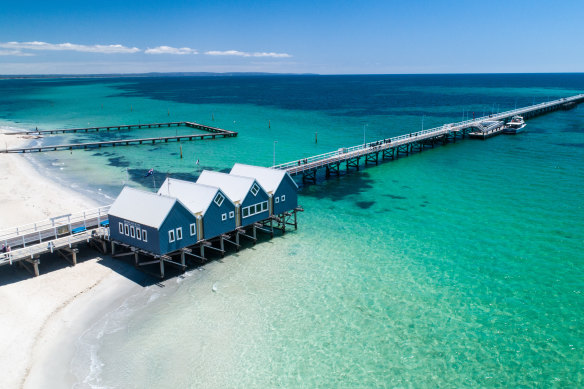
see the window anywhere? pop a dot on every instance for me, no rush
(171, 236)
(144, 236)
(276, 200)
(193, 229)
(121, 227)
(132, 232)
(255, 189)
(231, 214)
(127, 229)
(138, 234)
(283, 198)
(255, 209)
(219, 199)
(224, 217)
(179, 233)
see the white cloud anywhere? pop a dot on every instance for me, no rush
(245, 54)
(171, 50)
(105, 49)
(15, 53)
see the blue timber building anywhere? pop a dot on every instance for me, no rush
(279, 185)
(214, 211)
(154, 223)
(250, 199)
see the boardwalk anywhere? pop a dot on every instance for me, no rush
(213, 133)
(391, 148)
(58, 234)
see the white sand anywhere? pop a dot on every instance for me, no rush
(36, 313)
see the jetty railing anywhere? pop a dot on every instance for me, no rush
(54, 228)
(344, 153)
(52, 245)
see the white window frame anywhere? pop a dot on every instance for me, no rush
(179, 233)
(126, 229)
(144, 235)
(224, 217)
(255, 209)
(219, 199)
(132, 232)
(231, 214)
(121, 225)
(277, 200)
(255, 189)
(138, 233)
(193, 228)
(170, 236)
(283, 198)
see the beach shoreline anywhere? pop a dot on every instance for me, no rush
(49, 311)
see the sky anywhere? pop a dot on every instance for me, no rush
(325, 37)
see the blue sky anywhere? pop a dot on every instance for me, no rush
(338, 37)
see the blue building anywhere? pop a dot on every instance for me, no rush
(214, 211)
(154, 223)
(281, 187)
(250, 199)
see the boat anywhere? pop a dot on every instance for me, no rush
(515, 126)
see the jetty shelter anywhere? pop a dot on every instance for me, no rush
(281, 188)
(151, 222)
(214, 211)
(250, 199)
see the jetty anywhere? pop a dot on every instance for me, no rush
(212, 133)
(392, 148)
(63, 234)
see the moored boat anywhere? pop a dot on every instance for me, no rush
(515, 126)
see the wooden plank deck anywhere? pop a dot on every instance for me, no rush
(406, 143)
(214, 133)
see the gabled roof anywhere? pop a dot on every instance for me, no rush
(268, 178)
(235, 187)
(142, 207)
(196, 197)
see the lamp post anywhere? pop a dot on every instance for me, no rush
(274, 162)
(364, 126)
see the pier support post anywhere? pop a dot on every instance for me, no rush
(161, 268)
(222, 246)
(113, 248)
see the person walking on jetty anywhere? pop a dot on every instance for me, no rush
(3, 248)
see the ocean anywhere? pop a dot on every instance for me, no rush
(460, 266)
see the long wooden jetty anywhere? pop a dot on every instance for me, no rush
(59, 234)
(213, 133)
(392, 148)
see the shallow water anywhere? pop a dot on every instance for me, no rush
(458, 266)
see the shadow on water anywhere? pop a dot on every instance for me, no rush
(53, 262)
(339, 188)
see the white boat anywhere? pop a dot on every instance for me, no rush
(515, 126)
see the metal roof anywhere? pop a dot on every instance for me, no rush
(268, 178)
(196, 197)
(142, 207)
(235, 187)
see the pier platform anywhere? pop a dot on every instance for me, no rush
(403, 145)
(213, 133)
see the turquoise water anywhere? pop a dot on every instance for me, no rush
(456, 267)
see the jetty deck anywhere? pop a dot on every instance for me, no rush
(213, 133)
(391, 148)
(59, 234)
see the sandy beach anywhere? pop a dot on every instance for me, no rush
(44, 313)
